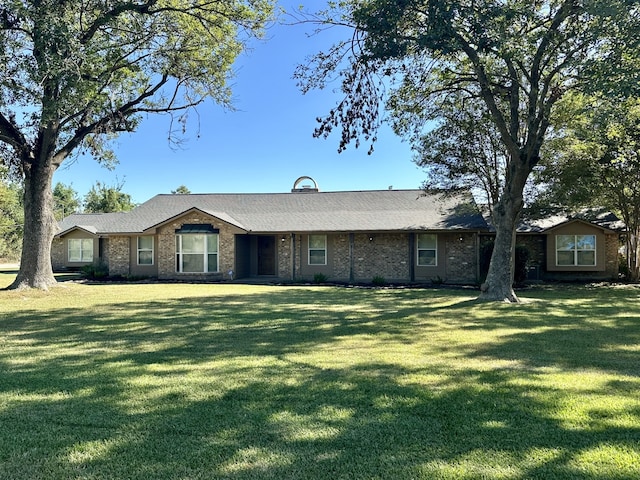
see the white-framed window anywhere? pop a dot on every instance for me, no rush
(317, 249)
(145, 250)
(427, 247)
(197, 253)
(575, 250)
(80, 250)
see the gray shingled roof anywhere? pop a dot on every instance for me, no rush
(378, 210)
(602, 218)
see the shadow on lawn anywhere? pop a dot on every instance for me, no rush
(255, 411)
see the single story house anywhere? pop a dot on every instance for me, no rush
(401, 236)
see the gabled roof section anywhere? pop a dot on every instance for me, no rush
(219, 215)
(374, 210)
(93, 223)
(593, 216)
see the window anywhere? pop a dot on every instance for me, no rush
(145, 250)
(317, 249)
(80, 249)
(576, 250)
(427, 249)
(197, 253)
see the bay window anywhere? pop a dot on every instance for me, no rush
(197, 253)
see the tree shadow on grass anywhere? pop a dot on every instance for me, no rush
(214, 387)
(339, 423)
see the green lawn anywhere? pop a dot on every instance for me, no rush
(181, 381)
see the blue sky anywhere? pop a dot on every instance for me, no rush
(262, 146)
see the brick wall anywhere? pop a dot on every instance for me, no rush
(58, 254)
(360, 257)
(167, 248)
(119, 255)
(381, 255)
(461, 257)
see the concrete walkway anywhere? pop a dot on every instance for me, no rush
(9, 266)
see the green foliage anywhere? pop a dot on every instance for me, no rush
(104, 199)
(65, 200)
(89, 70)
(379, 281)
(320, 278)
(181, 190)
(11, 219)
(96, 271)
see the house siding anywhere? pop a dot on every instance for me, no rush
(143, 270)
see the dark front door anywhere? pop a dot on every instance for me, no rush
(266, 255)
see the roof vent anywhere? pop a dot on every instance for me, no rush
(297, 188)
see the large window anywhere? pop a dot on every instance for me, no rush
(317, 249)
(197, 253)
(145, 250)
(427, 249)
(80, 249)
(576, 250)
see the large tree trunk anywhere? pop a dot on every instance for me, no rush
(39, 229)
(499, 283)
(506, 214)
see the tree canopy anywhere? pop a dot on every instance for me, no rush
(11, 219)
(65, 199)
(511, 60)
(74, 74)
(106, 199)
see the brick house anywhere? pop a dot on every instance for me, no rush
(402, 236)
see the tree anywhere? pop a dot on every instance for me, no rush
(11, 220)
(74, 74)
(517, 58)
(593, 160)
(65, 200)
(105, 199)
(181, 190)
(463, 150)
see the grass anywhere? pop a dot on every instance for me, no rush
(181, 381)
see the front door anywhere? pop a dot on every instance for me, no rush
(266, 255)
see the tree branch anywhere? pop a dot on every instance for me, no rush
(10, 134)
(122, 112)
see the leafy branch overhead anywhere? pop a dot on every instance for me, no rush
(83, 71)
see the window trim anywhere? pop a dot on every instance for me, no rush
(139, 250)
(418, 250)
(309, 250)
(82, 241)
(205, 253)
(575, 250)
